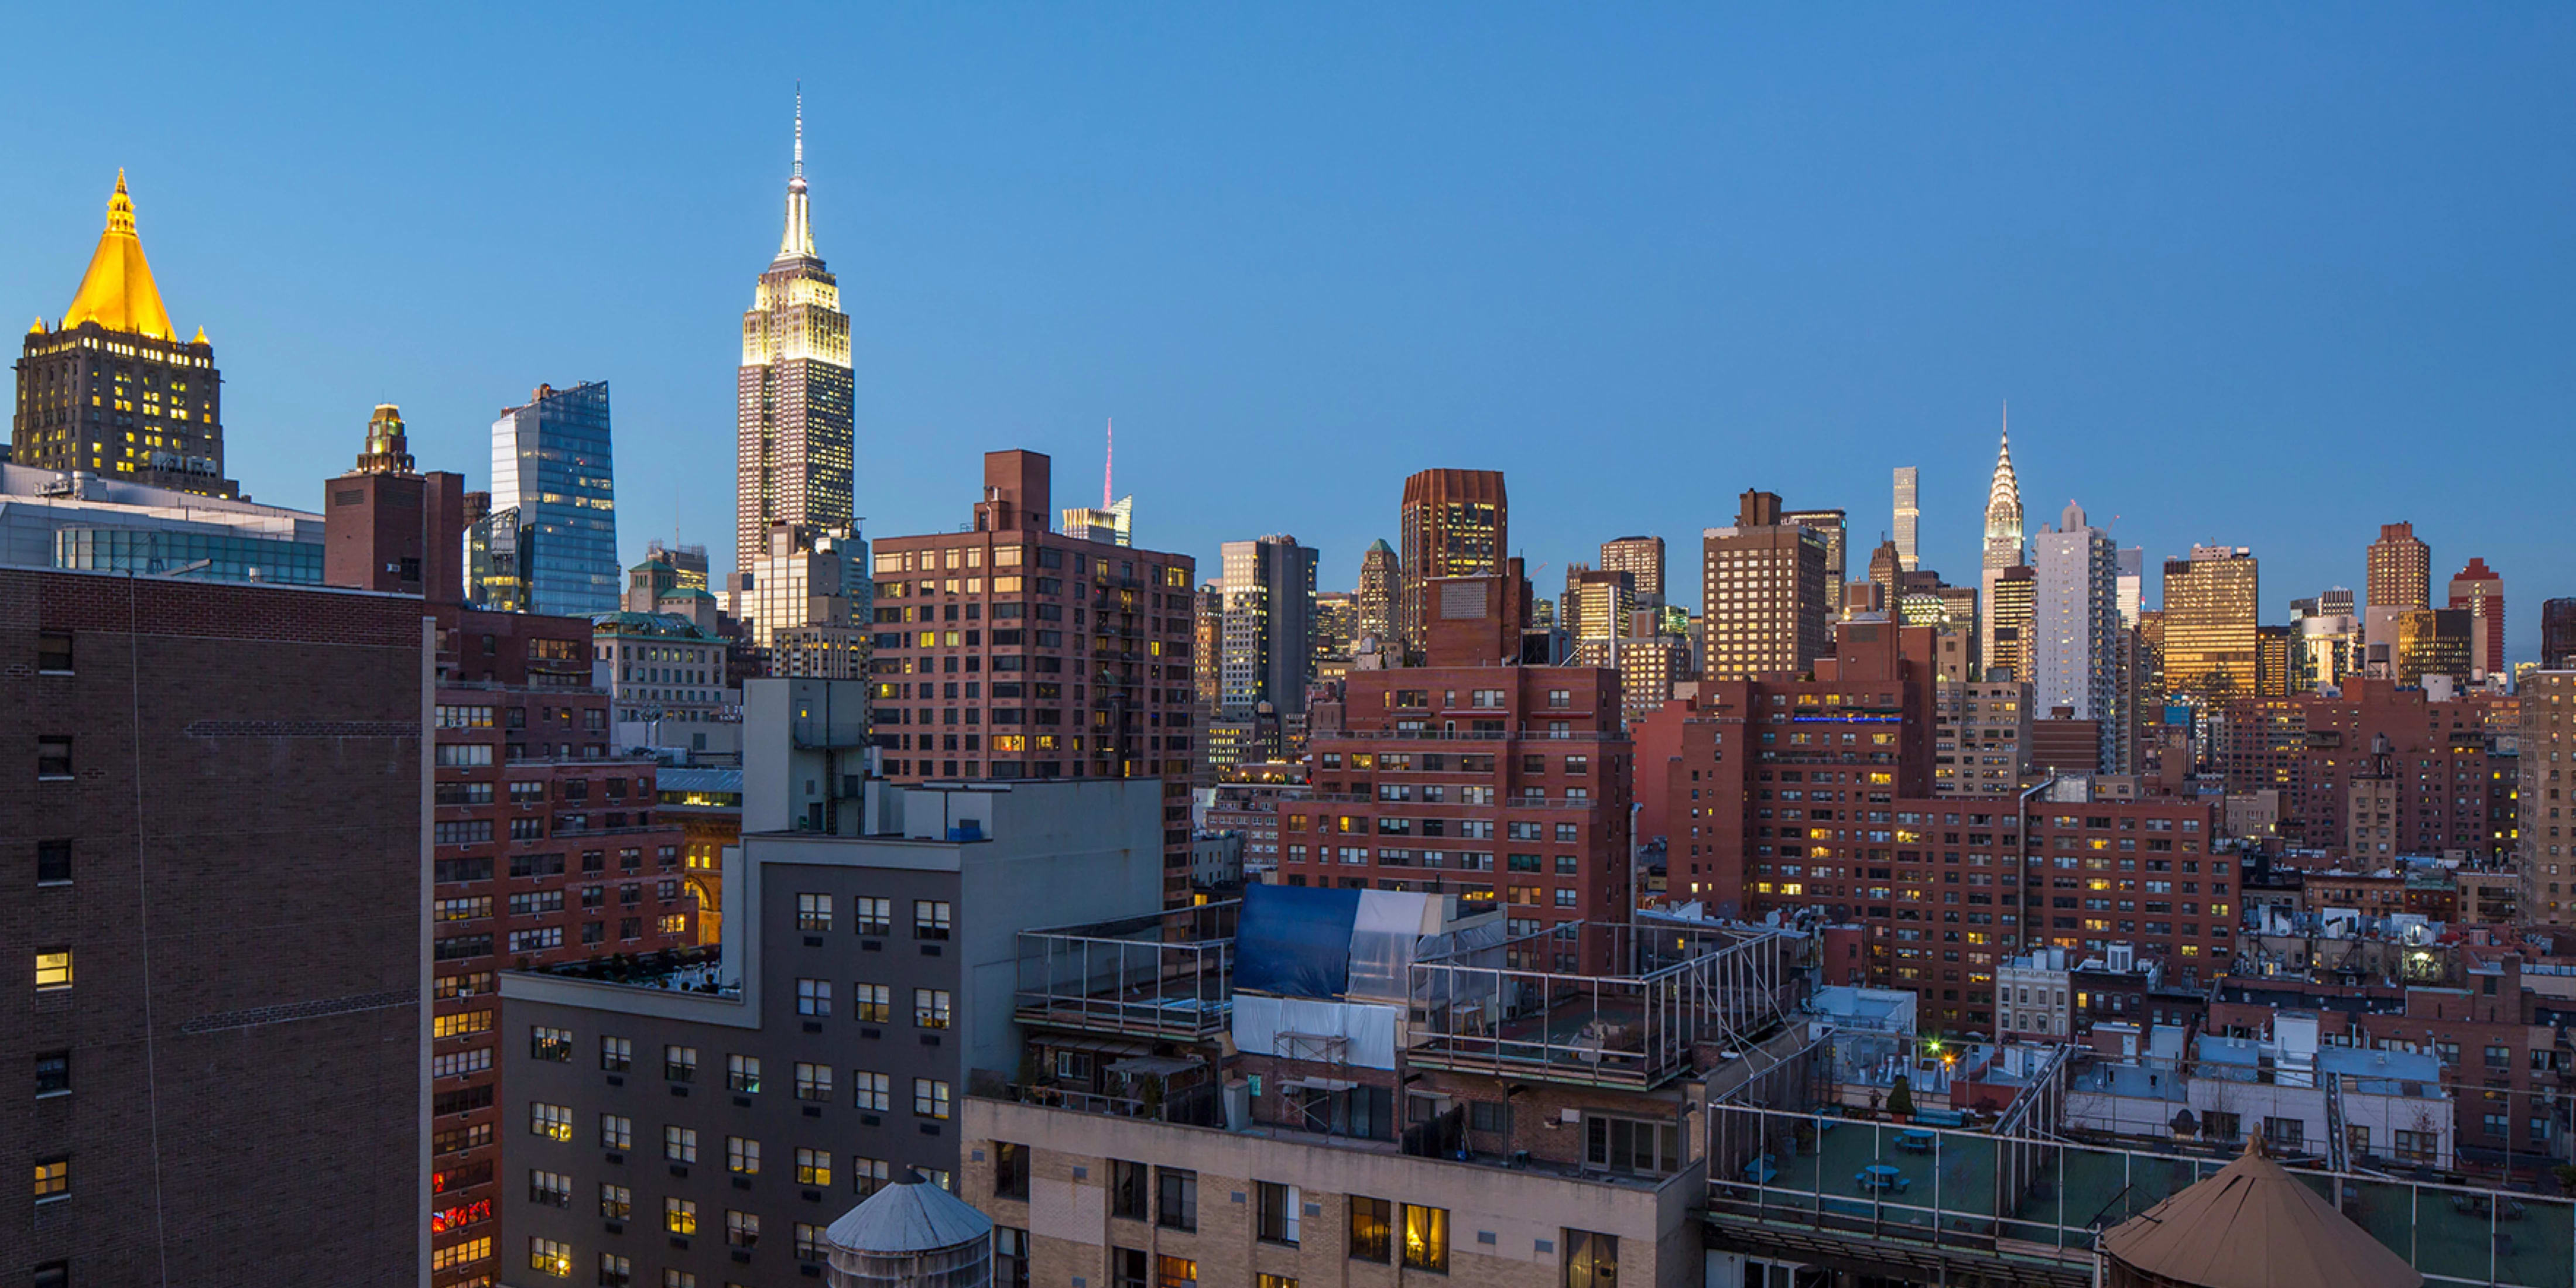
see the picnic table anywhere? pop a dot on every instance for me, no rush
(1761, 1171)
(1880, 1177)
(1915, 1139)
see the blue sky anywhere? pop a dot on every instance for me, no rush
(2255, 274)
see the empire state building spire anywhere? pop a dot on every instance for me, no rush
(798, 241)
(2004, 548)
(795, 443)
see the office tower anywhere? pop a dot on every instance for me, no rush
(2075, 634)
(2432, 641)
(1885, 565)
(1909, 516)
(1598, 606)
(2326, 643)
(1454, 523)
(387, 528)
(1832, 525)
(1381, 582)
(804, 577)
(1763, 592)
(2401, 569)
(553, 474)
(701, 1120)
(2211, 603)
(245, 765)
(1642, 558)
(2133, 585)
(2272, 666)
(793, 394)
(666, 569)
(1010, 651)
(2558, 634)
(1207, 648)
(495, 579)
(2012, 596)
(2479, 591)
(2004, 547)
(1269, 628)
(111, 389)
(1113, 522)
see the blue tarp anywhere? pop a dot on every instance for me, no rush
(1295, 941)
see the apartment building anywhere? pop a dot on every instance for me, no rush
(1981, 738)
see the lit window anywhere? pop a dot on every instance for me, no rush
(53, 1178)
(53, 968)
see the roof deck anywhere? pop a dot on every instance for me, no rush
(1162, 975)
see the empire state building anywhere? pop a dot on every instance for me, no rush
(793, 393)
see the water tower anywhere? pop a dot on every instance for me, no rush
(911, 1234)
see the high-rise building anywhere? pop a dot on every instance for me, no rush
(1381, 583)
(2076, 633)
(552, 468)
(803, 577)
(1837, 533)
(666, 568)
(1764, 606)
(2478, 590)
(793, 394)
(2401, 569)
(2133, 585)
(2004, 548)
(1598, 605)
(2212, 602)
(2432, 641)
(2011, 597)
(247, 765)
(1269, 628)
(110, 389)
(2326, 640)
(1207, 649)
(1909, 516)
(1454, 523)
(2558, 634)
(1337, 624)
(2546, 847)
(1642, 558)
(387, 528)
(1011, 651)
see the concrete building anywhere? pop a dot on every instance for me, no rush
(1909, 518)
(1981, 739)
(805, 577)
(220, 844)
(1642, 558)
(2012, 602)
(2400, 569)
(772, 1086)
(1836, 530)
(1381, 581)
(2478, 591)
(666, 682)
(1269, 624)
(2545, 771)
(1766, 593)
(2076, 647)
(2031, 993)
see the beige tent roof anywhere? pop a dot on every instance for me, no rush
(2253, 1225)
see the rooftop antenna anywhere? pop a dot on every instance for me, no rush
(800, 129)
(1108, 463)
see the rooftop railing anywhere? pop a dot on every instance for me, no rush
(1168, 974)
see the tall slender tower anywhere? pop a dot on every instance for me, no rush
(793, 394)
(2004, 544)
(1909, 551)
(1454, 523)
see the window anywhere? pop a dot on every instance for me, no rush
(1372, 1230)
(742, 1229)
(814, 912)
(680, 1144)
(873, 916)
(679, 1279)
(1628, 1145)
(872, 1003)
(871, 1091)
(680, 1216)
(53, 1073)
(1175, 1272)
(550, 1044)
(616, 1202)
(450, 1257)
(1275, 1220)
(809, 1242)
(550, 1257)
(553, 1189)
(930, 1097)
(54, 757)
(930, 1008)
(1010, 1257)
(53, 1177)
(1426, 1238)
(461, 1024)
(813, 1081)
(1176, 1198)
(742, 1155)
(680, 1063)
(1591, 1260)
(554, 1122)
(814, 997)
(1010, 1170)
(867, 1175)
(1267, 1280)
(2417, 1146)
(53, 862)
(615, 1271)
(54, 652)
(1127, 1268)
(742, 1073)
(616, 1054)
(929, 916)
(1126, 1189)
(813, 1167)
(53, 968)
(2288, 1133)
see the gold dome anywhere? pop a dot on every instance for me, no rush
(117, 291)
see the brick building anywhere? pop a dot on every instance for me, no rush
(1011, 651)
(1501, 783)
(2447, 774)
(216, 835)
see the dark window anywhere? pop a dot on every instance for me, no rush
(1176, 1199)
(1276, 1220)
(54, 757)
(54, 652)
(1010, 1257)
(53, 861)
(1372, 1230)
(1010, 1170)
(1126, 1189)
(1127, 1266)
(53, 1073)
(53, 1274)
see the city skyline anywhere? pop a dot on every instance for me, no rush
(1030, 350)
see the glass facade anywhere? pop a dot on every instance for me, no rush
(225, 558)
(551, 461)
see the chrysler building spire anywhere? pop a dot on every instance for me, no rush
(2004, 547)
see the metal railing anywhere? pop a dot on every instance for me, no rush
(1168, 974)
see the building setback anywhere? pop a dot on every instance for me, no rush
(192, 764)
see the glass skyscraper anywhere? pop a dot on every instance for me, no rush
(551, 463)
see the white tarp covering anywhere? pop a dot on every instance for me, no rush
(1383, 934)
(1367, 1032)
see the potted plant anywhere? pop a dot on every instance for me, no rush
(1900, 1100)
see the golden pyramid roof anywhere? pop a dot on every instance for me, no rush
(117, 291)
